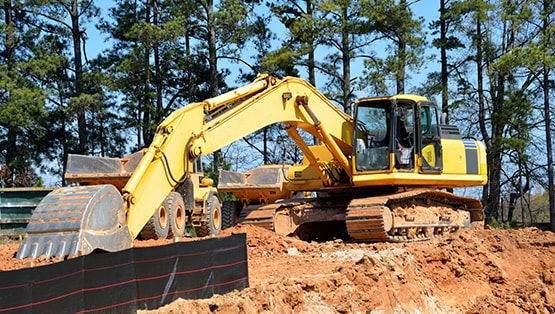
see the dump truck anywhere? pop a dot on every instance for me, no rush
(383, 174)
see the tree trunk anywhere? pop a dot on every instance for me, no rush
(489, 205)
(513, 197)
(346, 59)
(549, 148)
(494, 150)
(212, 52)
(401, 53)
(81, 111)
(157, 70)
(147, 103)
(311, 57)
(213, 68)
(547, 114)
(443, 53)
(9, 52)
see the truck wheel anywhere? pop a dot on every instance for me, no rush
(158, 227)
(148, 231)
(213, 225)
(162, 221)
(176, 208)
(229, 213)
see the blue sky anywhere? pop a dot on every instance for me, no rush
(428, 9)
(96, 43)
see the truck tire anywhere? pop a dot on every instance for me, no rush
(213, 224)
(148, 231)
(176, 209)
(158, 227)
(229, 213)
(162, 221)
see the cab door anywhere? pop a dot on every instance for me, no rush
(428, 138)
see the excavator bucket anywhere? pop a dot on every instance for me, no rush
(74, 221)
(265, 183)
(93, 170)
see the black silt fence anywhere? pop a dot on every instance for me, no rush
(123, 282)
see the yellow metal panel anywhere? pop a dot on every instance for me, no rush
(417, 179)
(454, 159)
(415, 98)
(482, 157)
(429, 154)
(321, 152)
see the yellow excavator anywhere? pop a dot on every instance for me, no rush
(384, 174)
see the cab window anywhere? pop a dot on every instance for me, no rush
(372, 138)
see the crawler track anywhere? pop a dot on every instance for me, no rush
(367, 219)
(259, 215)
(402, 217)
(410, 216)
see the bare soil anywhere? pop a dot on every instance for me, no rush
(471, 271)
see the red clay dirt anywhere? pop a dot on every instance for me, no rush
(471, 271)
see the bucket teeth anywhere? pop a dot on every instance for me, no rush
(74, 221)
(48, 245)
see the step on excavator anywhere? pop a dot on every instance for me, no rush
(384, 174)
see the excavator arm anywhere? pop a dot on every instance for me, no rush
(202, 128)
(102, 218)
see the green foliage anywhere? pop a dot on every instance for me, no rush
(25, 178)
(539, 207)
(497, 225)
(146, 64)
(496, 64)
(280, 62)
(303, 24)
(24, 102)
(395, 24)
(21, 98)
(343, 31)
(213, 173)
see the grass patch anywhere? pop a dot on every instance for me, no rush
(11, 239)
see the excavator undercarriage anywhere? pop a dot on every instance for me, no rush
(392, 215)
(400, 217)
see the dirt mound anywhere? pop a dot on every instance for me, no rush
(471, 271)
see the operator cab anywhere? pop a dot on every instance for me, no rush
(397, 134)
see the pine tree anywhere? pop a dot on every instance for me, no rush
(21, 98)
(395, 24)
